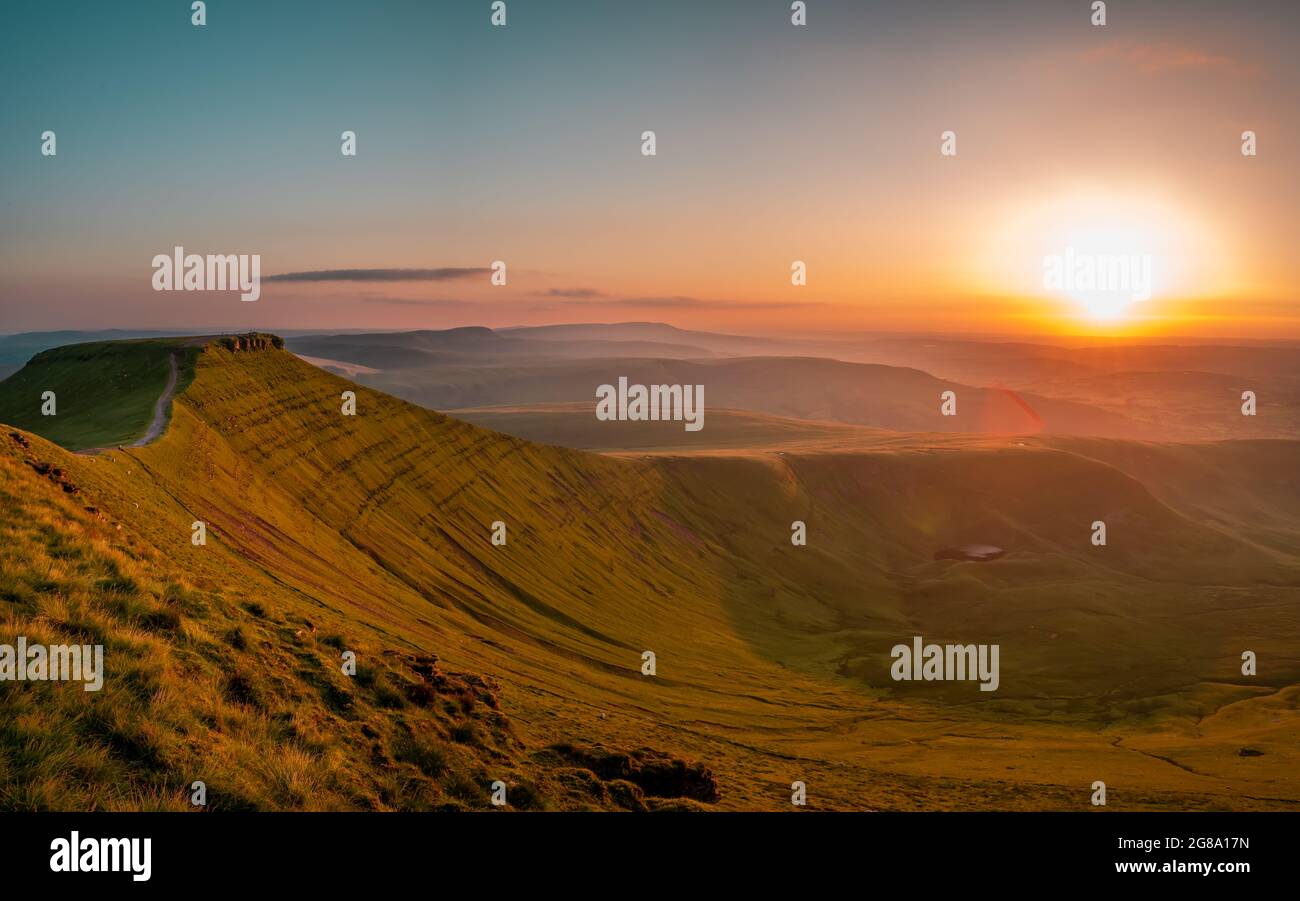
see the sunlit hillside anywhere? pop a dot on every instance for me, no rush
(373, 533)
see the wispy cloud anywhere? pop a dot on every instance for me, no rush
(1163, 58)
(445, 274)
(435, 302)
(679, 302)
(570, 292)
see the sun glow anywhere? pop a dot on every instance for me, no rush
(1101, 258)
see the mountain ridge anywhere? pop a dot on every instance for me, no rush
(380, 524)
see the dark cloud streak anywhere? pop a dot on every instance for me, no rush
(445, 274)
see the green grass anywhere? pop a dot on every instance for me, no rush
(575, 425)
(104, 391)
(268, 721)
(330, 532)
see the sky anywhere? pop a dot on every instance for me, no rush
(774, 144)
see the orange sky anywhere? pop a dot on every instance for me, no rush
(774, 145)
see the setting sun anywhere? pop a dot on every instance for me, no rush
(1103, 256)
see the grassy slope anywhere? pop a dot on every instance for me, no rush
(772, 659)
(218, 672)
(105, 391)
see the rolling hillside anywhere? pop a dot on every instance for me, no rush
(372, 533)
(1138, 391)
(573, 425)
(476, 346)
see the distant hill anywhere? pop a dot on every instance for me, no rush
(18, 349)
(739, 431)
(659, 333)
(474, 347)
(883, 397)
(1191, 392)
